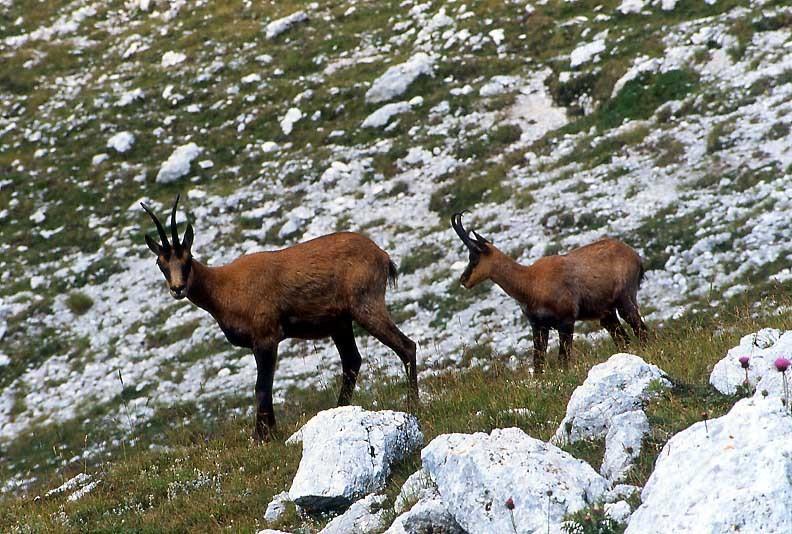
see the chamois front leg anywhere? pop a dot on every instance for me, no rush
(540, 335)
(344, 339)
(565, 333)
(266, 358)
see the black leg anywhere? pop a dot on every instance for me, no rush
(344, 340)
(540, 335)
(612, 324)
(565, 342)
(266, 358)
(379, 324)
(629, 311)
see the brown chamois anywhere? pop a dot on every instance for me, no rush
(588, 283)
(311, 290)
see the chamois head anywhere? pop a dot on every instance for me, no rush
(480, 260)
(173, 259)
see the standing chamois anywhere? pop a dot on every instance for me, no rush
(588, 283)
(312, 290)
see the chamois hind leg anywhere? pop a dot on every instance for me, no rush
(611, 323)
(565, 333)
(266, 359)
(540, 335)
(379, 324)
(628, 309)
(344, 339)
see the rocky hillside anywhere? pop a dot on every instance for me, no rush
(667, 124)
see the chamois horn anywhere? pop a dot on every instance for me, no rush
(160, 230)
(456, 224)
(174, 229)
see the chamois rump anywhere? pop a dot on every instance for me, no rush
(311, 290)
(592, 282)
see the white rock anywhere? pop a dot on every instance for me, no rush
(623, 444)
(170, 59)
(668, 5)
(206, 164)
(78, 481)
(38, 281)
(619, 492)
(497, 85)
(99, 158)
(419, 485)
(178, 164)
(4, 360)
(631, 6)
(365, 516)
(383, 115)
(289, 228)
(616, 386)
(39, 216)
(726, 475)
(269, 146)
(586, 52)
(83, 491)
(348, 453)
(497, 36)
(277, 507)
(251, 78)
(477, 473)
(429, 514)
(288, 120)
(395, 81)
(618, 511)
(277, 27)
(121, 142)
(762, 347)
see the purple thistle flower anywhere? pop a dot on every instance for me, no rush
(782, 364)
(510, 503)
(745, 362)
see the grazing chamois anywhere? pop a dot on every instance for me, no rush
(311, 290)
(588, 283)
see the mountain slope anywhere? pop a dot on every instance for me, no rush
(553, 124)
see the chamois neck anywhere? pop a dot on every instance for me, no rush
(510, 276)
(202, 290)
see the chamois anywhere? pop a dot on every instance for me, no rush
(591, 282)
(311, 290)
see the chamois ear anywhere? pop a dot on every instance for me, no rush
(153, 246)
(187, 238)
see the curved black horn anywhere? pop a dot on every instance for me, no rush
(160, 229)
(456, 224)
(174, 229)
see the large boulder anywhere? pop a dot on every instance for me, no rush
(478, 474)
(348, 453)
(621, 384)
(727, 474)
(762, 348)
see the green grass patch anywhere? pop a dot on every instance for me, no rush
(78, 302)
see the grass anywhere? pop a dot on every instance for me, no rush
(212, 477)
(78, 302)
